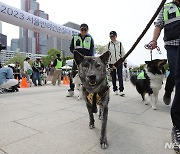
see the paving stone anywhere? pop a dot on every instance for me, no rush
(133, 106)
(138, 139)
(10, 116)
(48, 121)
(13, 132)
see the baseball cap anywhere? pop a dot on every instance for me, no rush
(84, 26)
(112, 33)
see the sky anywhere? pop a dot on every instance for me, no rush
(128, 18)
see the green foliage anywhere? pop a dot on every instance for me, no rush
(18, 58)
(100, 49)
(50, 57)
(142, 66)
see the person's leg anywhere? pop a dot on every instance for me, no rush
(39, 78)
(72, 85)
(170, 82)
(55, 76)
(120, 78)
(9, 83)
(113, 75)
(175, 109)
(34, 78)
(59, 76)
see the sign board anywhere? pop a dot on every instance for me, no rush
(29, 21)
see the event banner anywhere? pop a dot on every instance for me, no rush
(29, 21)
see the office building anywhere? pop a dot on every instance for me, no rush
(29, 41)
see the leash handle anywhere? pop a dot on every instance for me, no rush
(149, 47)
(142, 34)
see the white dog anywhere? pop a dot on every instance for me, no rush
(78, 85)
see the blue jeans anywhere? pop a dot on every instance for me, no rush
(175, 109)
(172, 54)
(120, 78)
(36, 76)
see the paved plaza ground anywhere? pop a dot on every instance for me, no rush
(42, 120)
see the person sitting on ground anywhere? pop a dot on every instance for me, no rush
(7, 78)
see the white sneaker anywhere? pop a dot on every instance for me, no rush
(116, 92)
(121, 94)
(70, 94)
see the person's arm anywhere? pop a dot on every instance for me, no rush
(92, 47)
(159, 25)
(156, 33)
(55, 62)
(10, 74)
(72, 45)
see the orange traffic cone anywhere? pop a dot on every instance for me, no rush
(24, 83)
(67, 79)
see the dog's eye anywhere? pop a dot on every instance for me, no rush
(86, 64)
(98, 65)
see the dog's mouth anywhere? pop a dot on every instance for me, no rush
(92, 83)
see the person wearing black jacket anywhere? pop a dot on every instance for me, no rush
(84, 44)
(37, 70)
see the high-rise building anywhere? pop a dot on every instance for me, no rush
(32, 42)
(15, 45)
(0, 27)
(62, 44)
(3, 39)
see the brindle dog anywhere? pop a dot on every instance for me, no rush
(92, 72)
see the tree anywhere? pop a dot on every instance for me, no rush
(18, 58)
(46, 60)
(100, 49)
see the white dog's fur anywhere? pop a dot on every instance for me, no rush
(78, 85)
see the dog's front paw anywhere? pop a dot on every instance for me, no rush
(79, 98)
(146, 103)
(154, 107)
(103, 143)
(91, 124)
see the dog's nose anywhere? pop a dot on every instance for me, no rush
(92, 77)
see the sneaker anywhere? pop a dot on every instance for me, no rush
(1, 91)
(70, 93)
(175, 134)
(116, 92)
(121, 94)
(167, 98)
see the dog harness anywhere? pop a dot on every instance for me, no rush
(96, 98)
(141, 75)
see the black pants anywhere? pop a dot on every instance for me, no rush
(72, 75)
(175, 109)
(172, 54)
(117, 71)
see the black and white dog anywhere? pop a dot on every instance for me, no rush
(150, 80)
(92, 73)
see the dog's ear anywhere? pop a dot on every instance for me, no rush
(105, 57)
(147, 62)
(78, 57)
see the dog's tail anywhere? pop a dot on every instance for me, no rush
(133, 79)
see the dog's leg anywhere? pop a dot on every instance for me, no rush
(103, 139)
(143, 98)
(153, 100)
(100, 112)
(80, 96)
(91, 116)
